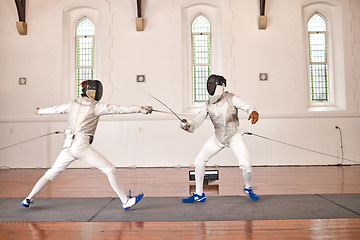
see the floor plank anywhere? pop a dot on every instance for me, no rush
(156, 182)
(174, 182)
(262, 229)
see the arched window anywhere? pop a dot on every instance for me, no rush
(201, 57)
(85, 38)
(318, 62)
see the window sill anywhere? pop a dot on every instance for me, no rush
(324, 107)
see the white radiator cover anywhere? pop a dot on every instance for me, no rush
(152, 142)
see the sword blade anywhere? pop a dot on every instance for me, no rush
(166, 107)
(15, 144)
(155, 110)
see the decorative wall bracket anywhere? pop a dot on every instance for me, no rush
(139, 20)
(262, 18)
(21, 24)
(22, 28)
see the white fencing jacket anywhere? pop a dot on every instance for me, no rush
(224, 116)
(84, 115)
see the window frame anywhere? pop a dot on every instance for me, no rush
(77, 37)
(328, 79)
(193, 64)
(333, 13)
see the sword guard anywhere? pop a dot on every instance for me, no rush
(184, 124)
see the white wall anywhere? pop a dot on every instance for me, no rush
(44, 56)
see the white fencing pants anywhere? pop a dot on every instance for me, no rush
(82, 150)
(211, 147)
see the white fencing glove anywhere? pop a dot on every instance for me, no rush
(186, 126)
(146, 109)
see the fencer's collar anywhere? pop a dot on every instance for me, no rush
(217, 100)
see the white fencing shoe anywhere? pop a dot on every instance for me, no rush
(27, 202)
(195, 197)
(131, 201)
(250, 191)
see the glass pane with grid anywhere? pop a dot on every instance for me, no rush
(318, 59)
(82, 75)
(85, 27)
(317, 47)
(319, 84)
(316, 24)
(201, 50)
(84, 53)
(201, 74)
(201, 25)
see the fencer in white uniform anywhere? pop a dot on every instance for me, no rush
(84, 114)
(222, 107)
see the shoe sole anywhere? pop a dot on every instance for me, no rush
(253, 198)
(27, 205)
(198, 200)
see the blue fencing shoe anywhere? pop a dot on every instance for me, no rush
(249, 191)
(27, 202)
(131, 201)
(195, 197)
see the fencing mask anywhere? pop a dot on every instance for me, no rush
(213, 81)
(92, 89)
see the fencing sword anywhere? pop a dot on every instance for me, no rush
(182, 121)
(155, 110)
(160, 111)
(303, 148)
(167, 112)
(48, 134)
(166, 107)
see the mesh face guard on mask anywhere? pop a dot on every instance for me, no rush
(92, 89)
(213, 81)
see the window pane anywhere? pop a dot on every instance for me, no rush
(201, 74)
(85, 28)
(317, 47)
(318, 59)
(85, 51)
(83, 74)
(201, 49)
(201, 24)
(319, 83)
(316, 23)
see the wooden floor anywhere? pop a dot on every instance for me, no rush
(174, 182)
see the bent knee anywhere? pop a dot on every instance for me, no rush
(108, 170)
(246, 169)
(51, 174)
(200, 163)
